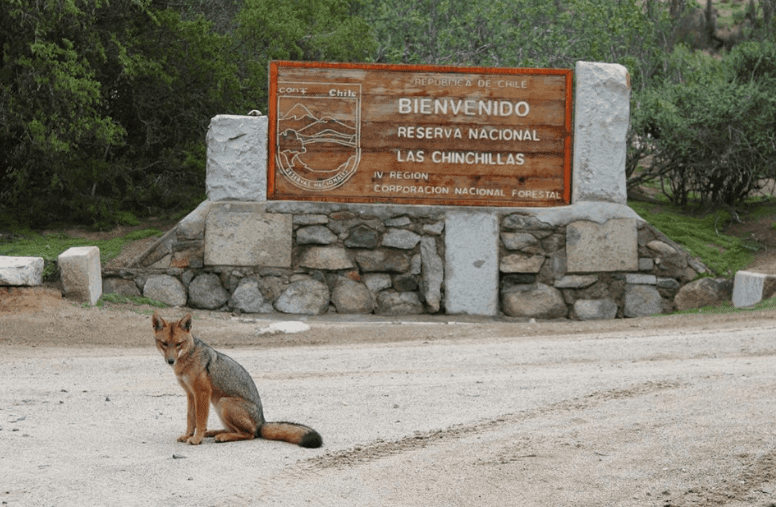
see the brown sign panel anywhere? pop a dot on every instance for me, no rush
(419, 134)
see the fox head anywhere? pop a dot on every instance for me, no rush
(172, 339)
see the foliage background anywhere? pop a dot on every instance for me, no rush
(104, 104)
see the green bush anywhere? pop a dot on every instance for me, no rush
(711, 125)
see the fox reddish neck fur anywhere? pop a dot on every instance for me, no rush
(210, 377)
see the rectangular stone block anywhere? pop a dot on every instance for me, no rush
(640, 279)
(471, 263)
(242, 234)
(601, 116)
(593, 247)
(21, 270)
(81, 273)
(749, 288)
(237, 158)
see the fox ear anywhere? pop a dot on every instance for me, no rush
(185, 322)
(157, 322)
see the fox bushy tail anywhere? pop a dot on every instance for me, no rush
(294, 433)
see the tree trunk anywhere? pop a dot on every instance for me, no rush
(711, 22)
(677, 8)
(769, 6)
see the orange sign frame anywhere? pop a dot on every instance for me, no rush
(419, 134)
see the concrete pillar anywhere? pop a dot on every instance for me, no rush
(81, 273)
(237, 158)
(471, 263)
(601, 117)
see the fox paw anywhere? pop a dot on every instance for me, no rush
(195, 440)
(185, 437)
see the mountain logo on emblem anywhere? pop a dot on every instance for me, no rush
(318, 137)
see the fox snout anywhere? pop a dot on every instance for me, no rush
(170, 353)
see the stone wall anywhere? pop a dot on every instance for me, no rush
(315, 258)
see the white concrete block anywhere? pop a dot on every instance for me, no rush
(81, 273)
(601, 116)
(237, 158)
(750, 288)
(471, 263)
(21, 270)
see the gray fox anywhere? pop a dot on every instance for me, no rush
(208, 376)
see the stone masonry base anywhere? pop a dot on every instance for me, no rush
(590, 260)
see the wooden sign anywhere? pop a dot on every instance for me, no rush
(418, 134)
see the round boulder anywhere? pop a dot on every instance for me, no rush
(537, 300)
(206, 292)
(165, 288)
(309, 297)
(350, 296)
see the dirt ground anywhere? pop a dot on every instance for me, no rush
(662, 411)
(426, 411)
(38, 317)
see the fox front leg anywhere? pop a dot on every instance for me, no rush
(200, 415)
(190, 418)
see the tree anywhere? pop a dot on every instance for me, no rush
(50, 98)
(314, 30)
(102, 105)
(522, 33)
(711, 125)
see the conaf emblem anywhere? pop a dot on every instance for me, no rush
(319, 134)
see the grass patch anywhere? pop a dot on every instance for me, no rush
(138, 300)
(723, 254)
(727, 307)
(49, 246)
(759, 208)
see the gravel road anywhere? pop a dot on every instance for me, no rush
(672, 411)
